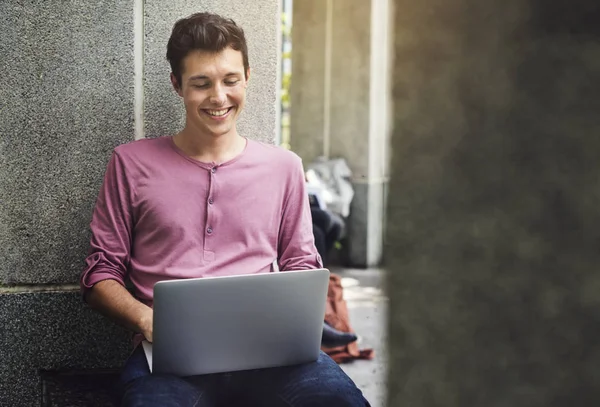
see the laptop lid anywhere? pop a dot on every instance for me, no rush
(224, 324)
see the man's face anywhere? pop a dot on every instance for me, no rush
(213, 87)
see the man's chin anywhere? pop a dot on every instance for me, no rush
(202, 125)
(220, 132)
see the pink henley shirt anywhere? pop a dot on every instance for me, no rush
(161, 215)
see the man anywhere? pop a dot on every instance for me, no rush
(204, 202)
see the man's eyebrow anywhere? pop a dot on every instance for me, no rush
(192, 78)
(204, 77)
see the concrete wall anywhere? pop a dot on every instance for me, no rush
(68, 95)
(492, 250)
(307, 125)
(340, 104)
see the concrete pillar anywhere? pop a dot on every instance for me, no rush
(492, 251)
(340, 104)
(80, 78)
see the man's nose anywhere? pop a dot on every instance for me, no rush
(217, 96)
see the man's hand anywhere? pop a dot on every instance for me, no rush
(113, 300)
(145, 324)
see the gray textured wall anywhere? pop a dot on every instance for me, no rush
(66, 93)
(492, 250)
(66, 100)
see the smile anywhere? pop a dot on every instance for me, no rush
(218, 114)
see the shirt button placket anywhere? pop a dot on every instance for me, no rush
(209, 229)
(209, 254)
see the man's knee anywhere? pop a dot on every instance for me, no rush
(329, 393)
(325, 384)
(340, 394)
(160, 390)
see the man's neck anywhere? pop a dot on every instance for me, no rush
(207, 148)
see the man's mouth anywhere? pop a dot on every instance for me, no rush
(218, 113)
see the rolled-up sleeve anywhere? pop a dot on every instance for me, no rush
(297, 249)
(111, 229)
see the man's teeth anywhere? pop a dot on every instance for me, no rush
(217, 112)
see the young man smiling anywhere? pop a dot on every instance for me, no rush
(204, 202)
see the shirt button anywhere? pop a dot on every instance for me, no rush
(210, 201)
(213, 169)
(209, 230)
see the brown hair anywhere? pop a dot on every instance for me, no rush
(206, 32)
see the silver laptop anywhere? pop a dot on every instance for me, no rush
(226, 324)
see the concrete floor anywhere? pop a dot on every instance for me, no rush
(368, 307)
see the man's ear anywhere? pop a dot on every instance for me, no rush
(247, 76)
(176, 85)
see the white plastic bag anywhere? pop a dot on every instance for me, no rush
(330, 180)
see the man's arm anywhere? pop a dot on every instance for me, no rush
(297, 249)
(114, 301)
(103, 280)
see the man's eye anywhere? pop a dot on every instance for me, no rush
(201, 86)
(231, 83)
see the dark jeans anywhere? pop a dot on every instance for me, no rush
(321, 383)
(326, 232)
